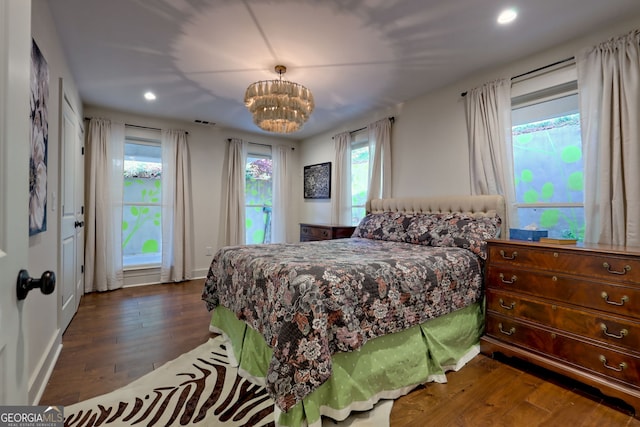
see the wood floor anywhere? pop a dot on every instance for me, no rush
(121, 335)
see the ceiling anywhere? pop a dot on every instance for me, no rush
(356, 56)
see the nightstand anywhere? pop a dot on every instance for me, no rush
(311, 232)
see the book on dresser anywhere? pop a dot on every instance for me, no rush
(558, 241)
(573, 309)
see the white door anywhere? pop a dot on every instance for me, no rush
(70, 277)
(79, 213)
(15, 48)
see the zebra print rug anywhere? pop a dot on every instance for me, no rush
(199, 387)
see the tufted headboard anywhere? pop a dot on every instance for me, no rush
(437, 204)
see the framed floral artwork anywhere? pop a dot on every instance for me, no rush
(39, 141)
(317, 181)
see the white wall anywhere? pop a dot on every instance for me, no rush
(41, 311)
(429, 137)
(207, 150)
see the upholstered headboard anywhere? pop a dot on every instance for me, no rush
(439, 204)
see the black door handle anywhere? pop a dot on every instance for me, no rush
(46, 283)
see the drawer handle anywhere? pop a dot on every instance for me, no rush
(508, 282)
(621, 367)
(605, 297)
(509, 332)
(508, 307)
(514, 254)
(625, 269)
(623, 332)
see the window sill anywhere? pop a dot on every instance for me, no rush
(141, 275)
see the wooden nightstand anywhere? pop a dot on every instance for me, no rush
(311, 232)
(572, 309)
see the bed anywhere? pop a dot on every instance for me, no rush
(332, 327)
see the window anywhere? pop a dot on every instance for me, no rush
(359, 180)
(548, 163)
(258, 198)
(141, 222)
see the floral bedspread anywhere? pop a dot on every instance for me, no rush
(313, 299)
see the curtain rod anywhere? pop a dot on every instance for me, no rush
(264, 145)
(562, 61)
(138, 126)
(391, 119)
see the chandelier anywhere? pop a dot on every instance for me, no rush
(279, 106)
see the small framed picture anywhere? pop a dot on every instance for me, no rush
(317, 181)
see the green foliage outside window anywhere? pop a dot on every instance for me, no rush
(141, 225)
(548, 169)
(142, 211)
(258, 199)
(359, 182)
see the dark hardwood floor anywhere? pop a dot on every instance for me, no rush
(121, 335)
(118, 336)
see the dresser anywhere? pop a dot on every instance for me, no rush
(572, 309)
(311, 232)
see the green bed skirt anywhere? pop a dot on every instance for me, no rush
(384, 368)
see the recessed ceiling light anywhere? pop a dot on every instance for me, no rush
(507, 16)
(150, 96)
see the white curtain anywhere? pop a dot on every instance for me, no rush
(177, 224)
(103, 245)
(609, 87)
(234, 206)
(380, 161)
(488, 115)
(281, 194)
(341, 208)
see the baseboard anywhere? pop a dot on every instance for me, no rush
(199, 273)
(38, 381)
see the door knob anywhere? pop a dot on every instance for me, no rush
(46, 283)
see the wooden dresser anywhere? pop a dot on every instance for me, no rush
(572, 309)
(311, 232)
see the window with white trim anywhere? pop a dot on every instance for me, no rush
(548, 162)
(258, 195)
(141, 216)
(359, 171)
(359, 179)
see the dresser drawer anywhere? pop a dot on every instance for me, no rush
(309, 233)
(594, 325)
(609, 297)
(599, 360)
(610, 267)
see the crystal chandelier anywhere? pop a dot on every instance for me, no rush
(279, 106)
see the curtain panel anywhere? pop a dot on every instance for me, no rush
(609, 87)
(104, 188)
(341, 207)
(281, 194)
(177, 216)
(488, 117)
(234, 217)
(380, 159)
